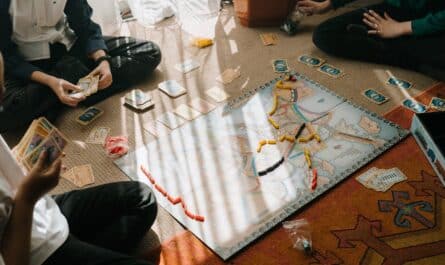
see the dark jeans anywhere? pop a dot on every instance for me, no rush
(425, 54)
(106, 223)
(132, 62)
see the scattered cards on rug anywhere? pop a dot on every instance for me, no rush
(280, 66)
(414, 106)
(218, 94)
(201, 105)
(228, 76)
(171, 120)
(397, 82)
(98, 135)
(88, 85)
(138, 100)
(172, 88)
(311, 60)
(89, 115)
(437, 104)
(374, 96)
(331, 71)
(187, 112)
(269, 39)
(187, 66)
(80, 176)
(381, 179)
(40, 136)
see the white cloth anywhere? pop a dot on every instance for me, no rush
(38, 23)
(49, 226)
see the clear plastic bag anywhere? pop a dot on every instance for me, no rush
(300, 233)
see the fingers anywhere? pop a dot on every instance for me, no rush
(70, 101)
(375, 15)
(105, 81)
(373, 32)
(305, 3)
(70, 87)
(370, 24)
(370, 18)
(387, 17)
(307, 10)
(40, 165)
(55, 168)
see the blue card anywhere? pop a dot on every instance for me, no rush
(375, 96)
(331, 70)
(437, 104)
(394, 81)
(414, 106)
(280, 66)
(311, 60)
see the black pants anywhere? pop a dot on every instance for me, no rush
(106, 223)
(132, 62)
(346, 36)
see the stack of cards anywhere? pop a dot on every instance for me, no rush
(138, 100)
(80, 175)
(172, 88)
(88, 86)
(40, 136)
(381, 179)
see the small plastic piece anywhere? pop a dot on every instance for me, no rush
(116, 146)
(300, 234)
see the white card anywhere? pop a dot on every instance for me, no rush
(186, 112)
(171, 120)
(218, 94)
(172, 88)
(98, 135)
(187, 66)
(156, 128)
(228, 76)
(202, 105)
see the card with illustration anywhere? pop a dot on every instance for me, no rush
(187, 66)
(311, 60)
(172, 88)
(331, 71)
(280, 66)
(414, 106)
(89, 115)
(437, 104)
(374, 96)
(397, 82)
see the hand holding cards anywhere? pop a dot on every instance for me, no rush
(40, 136)
(88, 85)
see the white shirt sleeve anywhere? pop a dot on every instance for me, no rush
(5, 206)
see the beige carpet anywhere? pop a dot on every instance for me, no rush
(235, 46)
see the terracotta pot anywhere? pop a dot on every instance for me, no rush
(253, 13)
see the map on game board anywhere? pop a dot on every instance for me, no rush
(213, 162)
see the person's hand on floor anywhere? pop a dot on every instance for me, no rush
(41, 179)
(63, 88)
(105, 76)
(385, 27)
(310, 7)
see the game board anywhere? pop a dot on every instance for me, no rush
(213, 163)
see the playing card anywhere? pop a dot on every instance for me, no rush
(217, 93)
(202, 105)
(311, 60)
(365, 177)
(89, 115)
(396, 82)
(52, 149)
(155, 128)
(331, 70)
(414, 106)
(187, 66)
(98, 135)
(437, 104)
(375, 96)
(137, 97)
(228, 76)
(389, 177)
(80, 175)
(269, 39)
(172, 88)
(280, 66)
(171, 120)
(186, 112)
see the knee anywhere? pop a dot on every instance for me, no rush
(323, 36)
(146, 201)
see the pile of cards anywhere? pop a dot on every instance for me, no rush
(381, 179)
(138, 100)
(322, 67)
(40, 136)
(269, 39)
(88, 85)
(80, 175)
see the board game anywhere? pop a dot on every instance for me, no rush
(213, 162)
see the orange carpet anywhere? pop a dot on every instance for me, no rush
(352, 224)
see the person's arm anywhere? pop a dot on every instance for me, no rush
(16, 241)
(430, 24)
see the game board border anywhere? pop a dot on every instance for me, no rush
(227, 252)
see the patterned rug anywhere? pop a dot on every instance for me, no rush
(352, 224)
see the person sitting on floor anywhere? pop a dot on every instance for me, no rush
(405, 33)
(49, 44)
(93, 226)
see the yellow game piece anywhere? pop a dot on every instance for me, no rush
(263, 142)
(275, 105)
(271, 142)
(274, 124)
(202, 42)
(310, 128)
(283, 86)
(258, 149)
(317, 138)
(282, 137)
(307, 155)
(290, 138)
